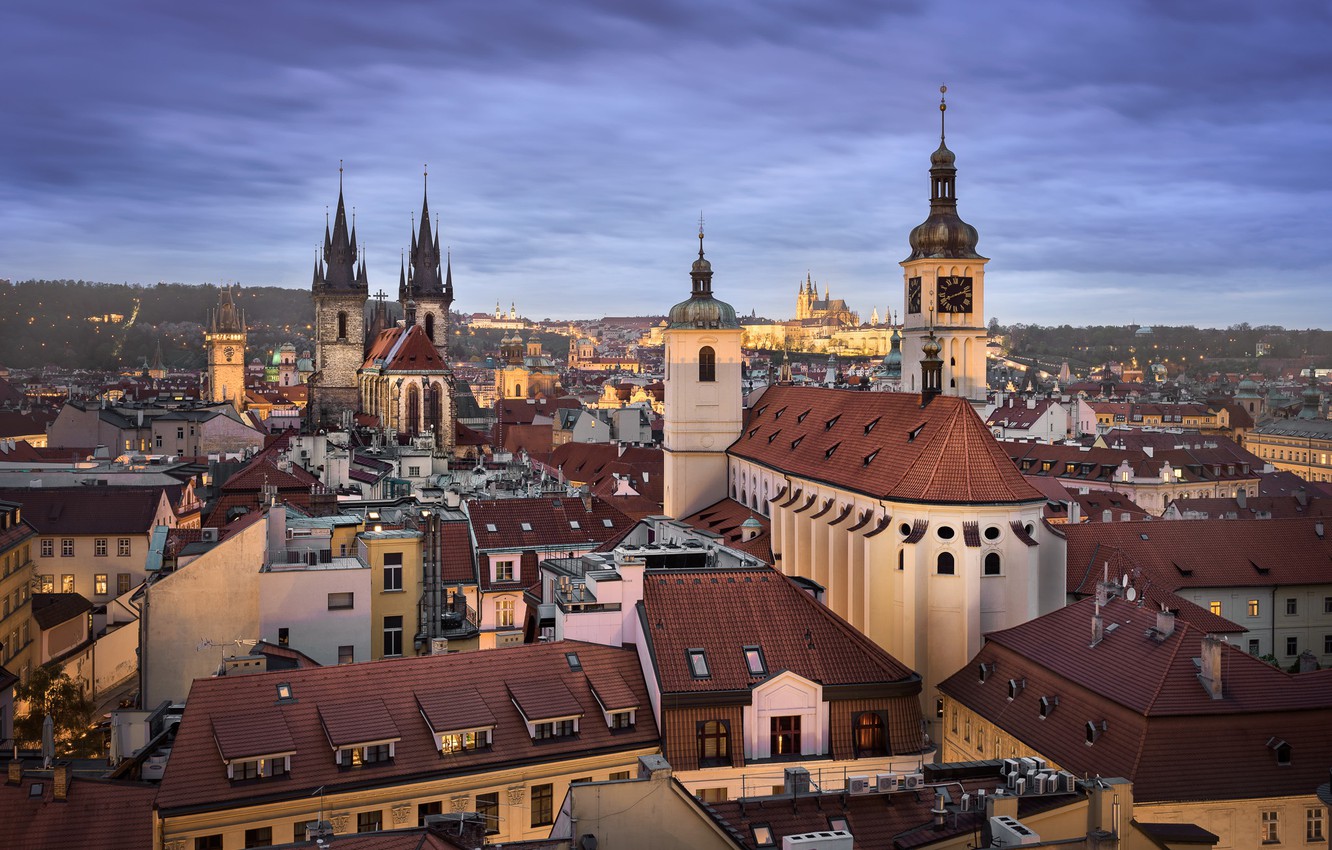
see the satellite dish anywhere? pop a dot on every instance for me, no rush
(1131, 594)
(1123, 580)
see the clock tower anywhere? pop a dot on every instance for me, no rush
(944, 286)
(225, 341)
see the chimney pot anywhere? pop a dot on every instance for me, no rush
(60, 781)
(15, 772)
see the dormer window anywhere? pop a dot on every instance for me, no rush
(698, 664)
(490, 526)
(363, 755)
(985, 669)
(608, 523)
(284, 693)
(1048, 705)
(573, 523)
(755, 662)
(1281, 750)
(1015, 687)
(526, 526)
(575, 663)
(463, 741)
(564, 728)
(621, 720)
(1094, 730)
(258, 768)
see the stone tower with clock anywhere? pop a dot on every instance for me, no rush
(340, 291)
(703, 394)
(225, 341)
(944, 287)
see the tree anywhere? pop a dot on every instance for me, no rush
(50, 692)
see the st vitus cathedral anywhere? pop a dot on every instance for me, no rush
(397, 374)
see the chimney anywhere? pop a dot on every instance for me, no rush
(1318, 529)
(1074, 512)
(60, 781)
(15, 771)
(1107, 515)
(1098, 627)
(1165, 623)
(1210, 672)
(585, 493)
(1242, 499)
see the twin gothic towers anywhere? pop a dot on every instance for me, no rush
(348, 326)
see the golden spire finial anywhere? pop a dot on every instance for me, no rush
(943, 107)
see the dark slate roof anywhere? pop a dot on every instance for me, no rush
(884, 445)
(87, 510)
(52, 609)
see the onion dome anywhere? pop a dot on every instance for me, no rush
(892, 361)
(944, 235)
(701, 310)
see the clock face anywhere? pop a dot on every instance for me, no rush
(228, 353)
(913, 295)
(954, 294)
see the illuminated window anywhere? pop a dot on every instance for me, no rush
(1271, 827)
(1215, 607)
(1313, 824)
(99, 584)
(785, 735)
(1253, 607)
(504, 613)
(714, 743)
(698, 664)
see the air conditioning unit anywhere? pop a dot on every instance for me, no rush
(1040, 763)
(980, 799)
(1008, 832)
(1041, 784)
(965, 803)
(912, 781)
(833, 839)
(1020, 787)
(886, 782)
(208, 535)
(858, 785)
(1012, 779)
(1068, 783)
(1010, 767)
(1028, 764)
(153, 768)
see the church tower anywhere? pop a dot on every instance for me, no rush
(340, 289)
(225, 341)
(703, 415)
(430, 288)
(944, 286)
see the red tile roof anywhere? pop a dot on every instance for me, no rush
(404, 350)
(763, 608)
(1201, 553)
(95, 813)
(52, 609)
(1163, 731)
(195, 778)
(88, 510)
(551, 520)
(883, 445)
(456, 556)
(725, 518)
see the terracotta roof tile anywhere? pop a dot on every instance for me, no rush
(763, 608)
(883, 444)
(360, 722)
(725, 518)
(194, 777)
(95, 813)
(1146, 689)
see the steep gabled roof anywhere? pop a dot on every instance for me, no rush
(1162, 729)
(88, 510)
(884, 445)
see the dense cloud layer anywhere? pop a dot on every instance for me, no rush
(1136, 163)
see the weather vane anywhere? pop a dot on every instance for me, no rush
(943, 107)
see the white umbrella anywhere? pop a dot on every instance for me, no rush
(48, 742)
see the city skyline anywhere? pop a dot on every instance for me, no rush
(1130, 165)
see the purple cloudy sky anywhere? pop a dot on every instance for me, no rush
(1161, 162)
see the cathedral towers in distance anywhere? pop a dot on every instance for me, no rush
(225, 342)
(345, 340)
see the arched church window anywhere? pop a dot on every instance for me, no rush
(945, 564)
(992, 564)
(413, 422)
(342, 325)
(707, 364)
(430, 326)
(435, 407)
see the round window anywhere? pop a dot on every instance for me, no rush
(946, 532)
(992, 533)
(1031, 529)
(905, 529)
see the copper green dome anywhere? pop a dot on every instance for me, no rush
(944, 235)
(701, 310)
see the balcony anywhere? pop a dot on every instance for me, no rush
(459, 621)
(310, 558)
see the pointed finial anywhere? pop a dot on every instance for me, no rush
(326, 215)
(339, 177)
(943, 108)
(700, 233)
